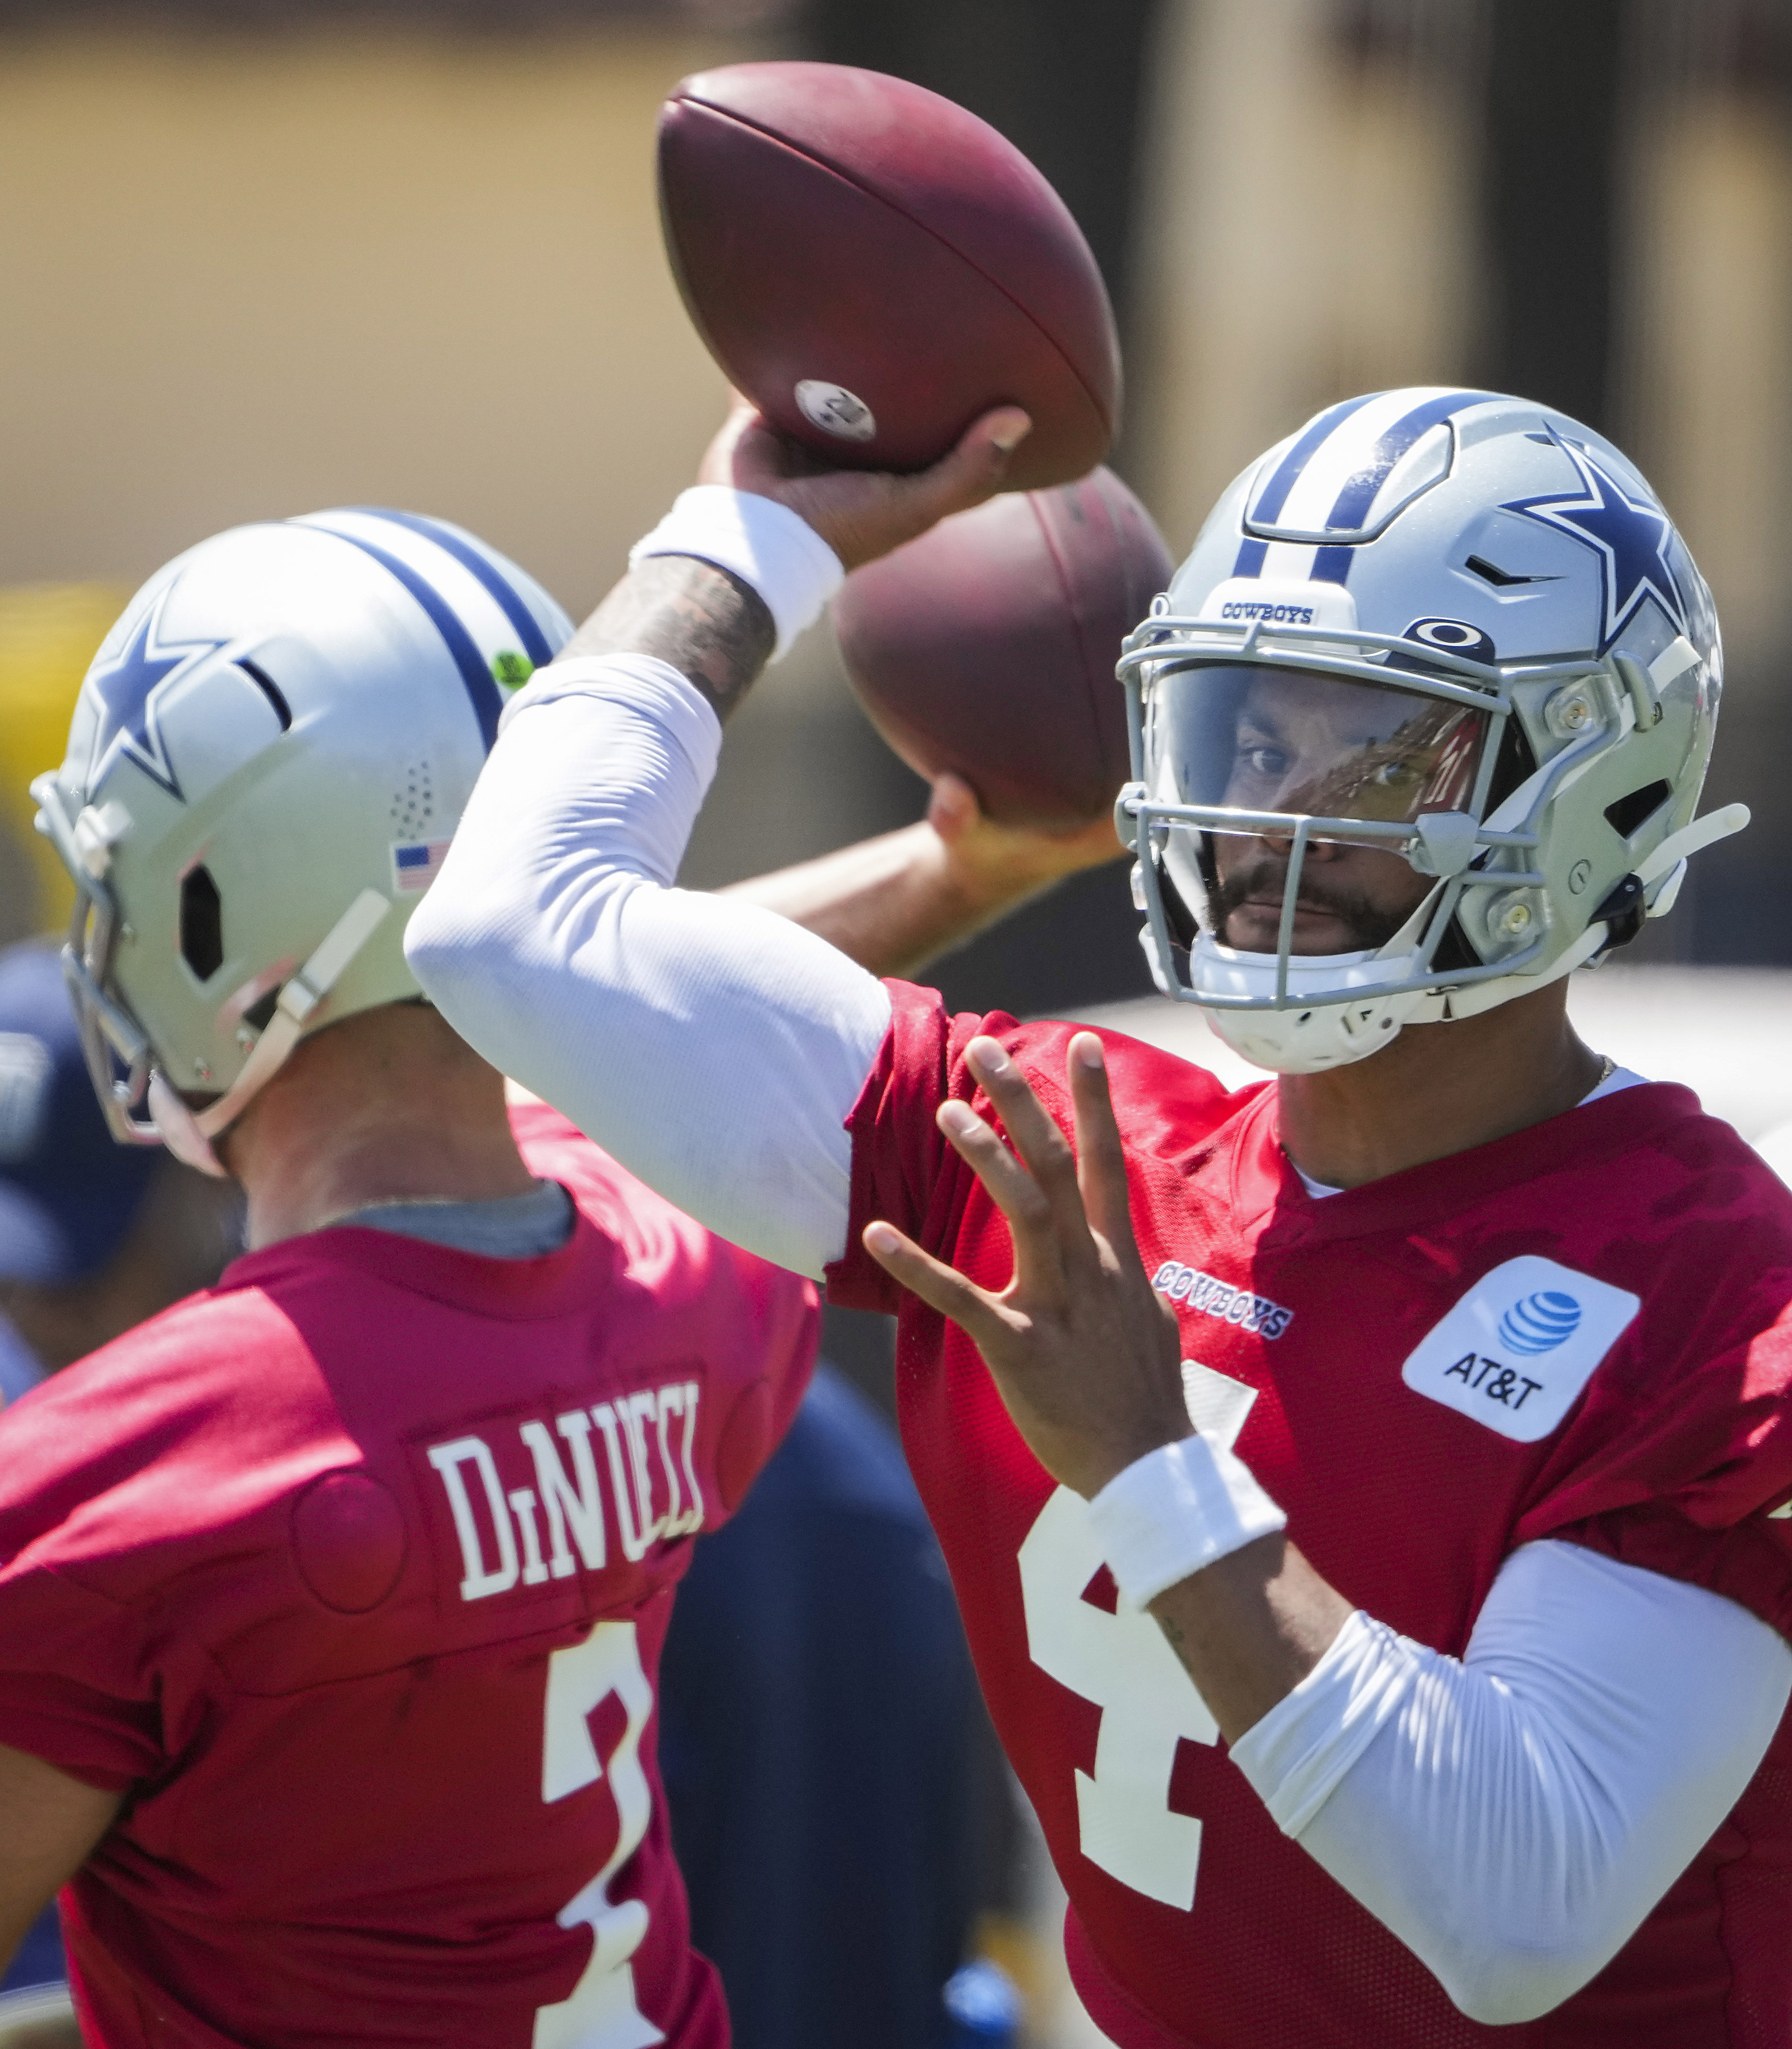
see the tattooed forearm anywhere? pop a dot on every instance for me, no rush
(710, 626)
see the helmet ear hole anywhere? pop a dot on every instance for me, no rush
(1629, 812)
(1454, 955)
(260, 1015)
(202, 924)
(1513, 766)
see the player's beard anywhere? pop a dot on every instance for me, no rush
(1260, 876)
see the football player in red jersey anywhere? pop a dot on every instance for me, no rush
(1367, 1508)
(331, 1599)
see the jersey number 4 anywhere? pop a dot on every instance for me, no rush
(1122, 1664)
(602, 2012)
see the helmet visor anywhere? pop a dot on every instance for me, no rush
(1253, 748)
(1247, 736)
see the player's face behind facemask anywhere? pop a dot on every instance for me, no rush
(1483, 770)
(1282, 743)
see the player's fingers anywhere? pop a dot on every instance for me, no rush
(1032, 1221)
(863, 514)
(1091, 845)
(970, 473)
(745, 449)
(1101, 1157)
(941, 1287)
(952, 808)
(1043, 1148)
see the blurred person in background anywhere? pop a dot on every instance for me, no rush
(818, 1743)
(215, 1612)
(94, 1236)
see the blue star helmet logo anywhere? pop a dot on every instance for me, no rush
(1631, 537)
(127, 692)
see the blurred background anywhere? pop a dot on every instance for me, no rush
(261, 256)
(264, 255)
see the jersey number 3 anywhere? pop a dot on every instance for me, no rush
(1121, 1662)
(602, 2012)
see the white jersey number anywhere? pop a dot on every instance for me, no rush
(1123, 1663)
(602, 2012)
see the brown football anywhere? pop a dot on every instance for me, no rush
(874, 267)
(988, 646)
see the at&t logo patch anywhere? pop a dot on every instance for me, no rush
(1540, 1323)
(1516, 1351)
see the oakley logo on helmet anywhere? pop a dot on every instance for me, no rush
(1515, 1354)
(1454, 637)
(1540, 1323)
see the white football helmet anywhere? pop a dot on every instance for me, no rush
(1447, 625)
(268, 757)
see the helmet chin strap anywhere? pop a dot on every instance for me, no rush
(188, 1134)
(1702, 833)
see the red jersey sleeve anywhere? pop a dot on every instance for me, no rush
(1679, 1460)
(905, 1174)
(902, 1165)
(78, 1678)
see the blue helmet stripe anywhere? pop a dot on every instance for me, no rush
(510, 600)
(1274, 494)
(1358, 494)
(1251, 554)
(482, 687)
(1332, 564)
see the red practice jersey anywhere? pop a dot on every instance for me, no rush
(355, 1571)
(1576, 1332)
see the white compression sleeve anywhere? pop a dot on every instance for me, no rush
(714, 1048)
(1513, 1816)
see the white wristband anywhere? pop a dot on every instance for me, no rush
(1176, 1511)
(764, 543)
